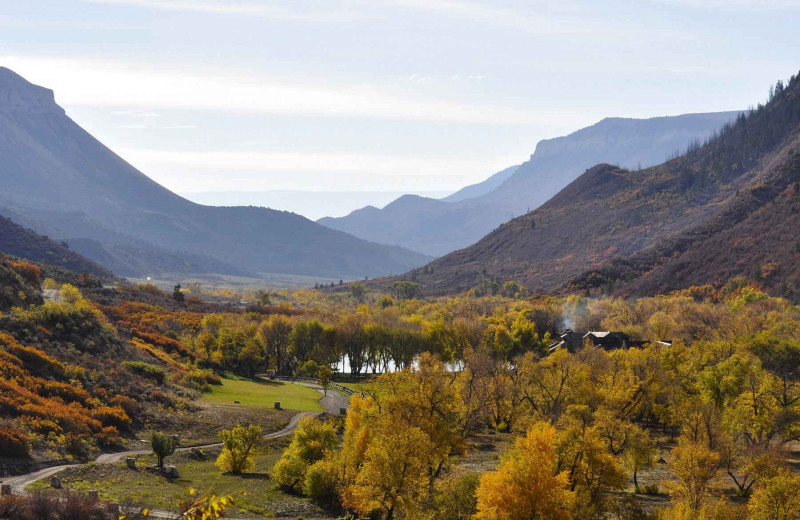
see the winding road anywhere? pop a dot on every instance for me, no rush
(332, 403)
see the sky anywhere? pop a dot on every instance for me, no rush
(216, 97)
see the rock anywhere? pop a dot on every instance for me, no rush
(130, 462)
(5, 489)
(197, 454)
(171, 472)
(277, 405)
(55, 483)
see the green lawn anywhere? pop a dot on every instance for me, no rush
(265, 393)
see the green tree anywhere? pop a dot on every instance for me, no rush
(325, 373)
(163, 446)
(358, 291)
(177, 295)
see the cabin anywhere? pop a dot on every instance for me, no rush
(608, 340)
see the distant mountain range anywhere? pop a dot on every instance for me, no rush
(58, 180)
(437, 227)
(729, 207)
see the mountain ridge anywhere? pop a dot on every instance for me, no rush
(610, 214)
(54, 172)
(440, 229)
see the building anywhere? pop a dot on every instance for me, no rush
(608, 340)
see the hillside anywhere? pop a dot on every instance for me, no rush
(716, 197)
(57, 179)
(437, 227)
(18, 241)
(482, 188)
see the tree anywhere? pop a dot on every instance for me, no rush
(177, 295)
(238, 448)
(312, 441)
(639, 453)
(778, 498)
(325, 373)
(274, 335)
(163, 446)
(357, 291)
(405, 290)
(309, 369)
(526, 484)
(510, 289)
(694, 465)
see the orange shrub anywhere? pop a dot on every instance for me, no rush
(13, 442)
(112, 416)
(31, 273)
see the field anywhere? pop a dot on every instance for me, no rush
(264, 394)
(262, 498)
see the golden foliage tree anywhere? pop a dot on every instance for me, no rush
(526, 484)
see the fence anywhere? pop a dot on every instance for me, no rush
(313, 380)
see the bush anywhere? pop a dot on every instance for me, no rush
(31, 273)
(13, 442)
(238, 448)
(147, 370)
(289, 472)
(320, 484)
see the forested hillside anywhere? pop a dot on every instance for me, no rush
(723, 188)
(18, 241)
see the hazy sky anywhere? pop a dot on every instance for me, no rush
(381, 95)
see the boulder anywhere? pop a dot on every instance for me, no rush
(197, 454)
(171, 472)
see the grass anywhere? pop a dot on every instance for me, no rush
(264, 394)
(262, 497)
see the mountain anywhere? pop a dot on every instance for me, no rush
(59, 180)
(20, 242)
(482, 188)
(726, 208)
(311, 204)
(437, 227)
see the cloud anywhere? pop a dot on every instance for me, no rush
(301, 161)
(209, 170)
(151, 88)
(734, 4)
(258, 9)
(484, 13)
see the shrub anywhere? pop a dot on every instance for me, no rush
(147, 370)
(311, 442)
(112, 416)
(239, 448)
(289, 472)
(320, 484)
(31, 273)
(13, 442)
